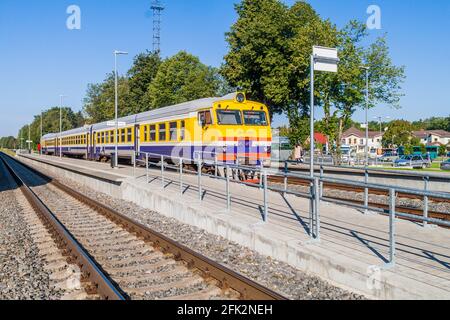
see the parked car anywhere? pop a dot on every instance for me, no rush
(445, 165)
(414, 161)
(389, 157)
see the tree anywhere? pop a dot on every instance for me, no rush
(182, 78)
(50, 122)
(100, 99)
(269, 57)
(442, 150)
(399, 133)
(8, 143)
(141, 75)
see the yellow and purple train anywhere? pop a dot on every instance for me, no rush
(230, 129)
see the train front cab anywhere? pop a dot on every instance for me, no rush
(238, 131)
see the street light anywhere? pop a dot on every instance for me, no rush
(367, 113)
(61, 99)
(380, 121)
(116, 53)
(40, 141)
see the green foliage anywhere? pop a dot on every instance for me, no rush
(443, 150)
(182, 78)
(269, 57)
(100, 99)
(141, 75)
(8, 143)
(50, 124)
(435, 123)
(399, 133)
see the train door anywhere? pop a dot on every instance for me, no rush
(137, 139)
(87, 136)
(93, 147)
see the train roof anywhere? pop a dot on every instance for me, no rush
(171, 111)
(161, 113)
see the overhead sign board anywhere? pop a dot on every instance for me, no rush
(113, 124)
(29, 141)
(325, 59)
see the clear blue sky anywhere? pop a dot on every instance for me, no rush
(41, 59)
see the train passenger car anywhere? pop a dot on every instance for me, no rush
(48, 144)
(228, 129)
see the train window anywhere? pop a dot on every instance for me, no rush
(152, 133)
(122, 136)
(204, 118)
(162, 132)
(182, 130)
(229, 117)
(255, 118)
(145, 133)
(173, 126)
(129, 135)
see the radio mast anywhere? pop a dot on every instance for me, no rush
(157, 8)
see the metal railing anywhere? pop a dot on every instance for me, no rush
(314, 195)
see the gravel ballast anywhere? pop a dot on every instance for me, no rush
(276, 275)
(22, 272)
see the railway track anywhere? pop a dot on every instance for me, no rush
(124, 259)
(333, 186)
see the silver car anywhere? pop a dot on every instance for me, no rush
(445, 165)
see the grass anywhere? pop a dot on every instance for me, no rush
(435, 167)
(7, 151)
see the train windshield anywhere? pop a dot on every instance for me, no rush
(229, 117)
(255, 118)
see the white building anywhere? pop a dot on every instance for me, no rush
(356, 139)
(433, 137)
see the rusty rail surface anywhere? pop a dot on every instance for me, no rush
(91, 271)
(228, 279)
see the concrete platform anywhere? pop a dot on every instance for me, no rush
(352, 251)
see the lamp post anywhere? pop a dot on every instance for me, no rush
(367, 114)
(29, 139)
(116, 103)
(61, 99)
(40, 141)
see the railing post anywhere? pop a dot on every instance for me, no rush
(392, 221)
(261, 178)
(266, 204)
(228, 189)
(181, 176)
(146, 167)
(311, 210)
(425, 202)
(216, 169)
(163, 182)
(134, 165)
(321, 182)
(317, 206)
(285, 177)
(199, 173)
(366, 191)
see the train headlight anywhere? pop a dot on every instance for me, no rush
(240, 97)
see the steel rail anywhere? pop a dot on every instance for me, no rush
(95, 275)
(228, 279)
